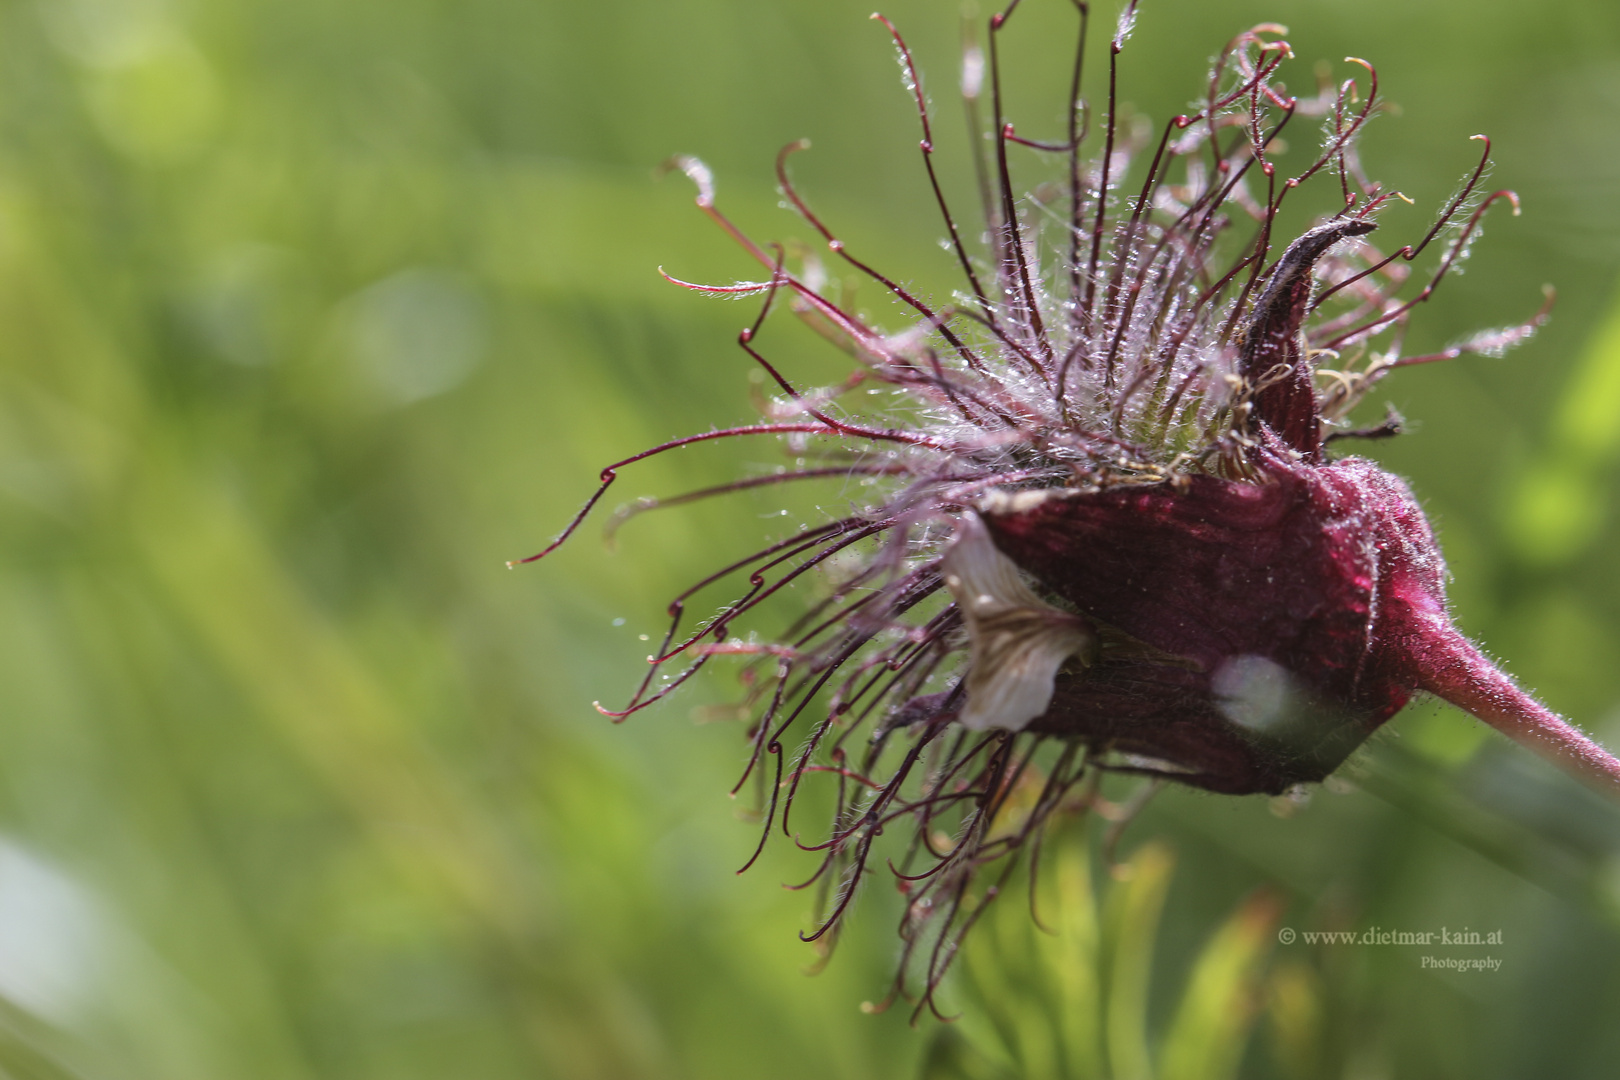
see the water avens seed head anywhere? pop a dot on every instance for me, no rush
(1102, 525)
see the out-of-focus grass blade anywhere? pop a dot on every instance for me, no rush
(1206, 1039)
(1294, 1002)
(1130, 923)
(27, 1050)
(1073, 960)
(1036, 1009)
(955, 1055)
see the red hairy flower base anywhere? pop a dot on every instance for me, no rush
(1284, 620)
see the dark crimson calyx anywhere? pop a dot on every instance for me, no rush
(1286, 619)
(1279, 607)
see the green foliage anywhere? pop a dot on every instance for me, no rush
(1067, 998)
(312, 314)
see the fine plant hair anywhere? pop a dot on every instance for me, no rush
(1095, 344)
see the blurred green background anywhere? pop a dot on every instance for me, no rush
(312, 314)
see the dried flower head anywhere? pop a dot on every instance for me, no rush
(1110, 535)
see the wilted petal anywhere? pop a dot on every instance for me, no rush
(1018, 641)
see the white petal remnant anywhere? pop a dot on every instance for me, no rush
(1017, 641)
